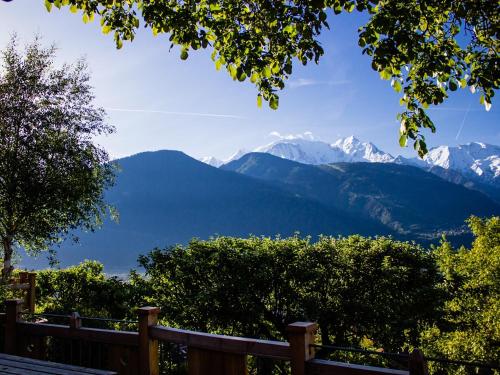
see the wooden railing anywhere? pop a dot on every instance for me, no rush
(26, 283)
(139, 352)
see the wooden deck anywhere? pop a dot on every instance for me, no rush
(10, 364)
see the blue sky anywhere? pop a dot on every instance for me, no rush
(156, 101)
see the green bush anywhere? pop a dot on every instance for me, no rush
(469, 328)
(83, 288)
(360, 290)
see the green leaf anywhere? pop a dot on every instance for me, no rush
(254, 77)
(85, 17)
(106, 29)
(48, 5)
(259, 101)
(288, 29)
(397, 85)
(233, 71)
(385, 74)
(73, 8)
(349, 7)
(423, 24)
(184, 54)
(267, 72)
(274, 102)
(403, 140)
(242, 76)
(453, 85)
(218, 65)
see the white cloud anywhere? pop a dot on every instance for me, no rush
(275, 134)
(455, 109)
(305, 135)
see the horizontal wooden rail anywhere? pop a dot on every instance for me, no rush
(90, 334)
(136, 353)
(221, 343)
(26, 283)
(324, 367)
(23, 286)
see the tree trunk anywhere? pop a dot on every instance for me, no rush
(7, 258)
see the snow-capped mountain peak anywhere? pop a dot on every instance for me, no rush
(305, 148)
(475, 159)
(307, 151)
(355, 150)
(210, 160)
(238, 154)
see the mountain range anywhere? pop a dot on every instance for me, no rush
(475, 165)
(167, 197)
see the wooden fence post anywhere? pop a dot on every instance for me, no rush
(75, 322)
(148, 348)
(30, 294)
(300, 336)
(417, 364)
(13, 308)
(23, 277)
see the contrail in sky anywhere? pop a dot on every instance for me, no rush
(463, 122)
(197, 114)
(457, 109)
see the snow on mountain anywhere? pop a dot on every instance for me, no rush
(304, 148)
(210, 160)
(478, 161)
(355, 150)
(307, 150)
(474, 159)
(238, 154)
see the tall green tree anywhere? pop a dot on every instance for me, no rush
(470, 328)
(52, 175)
(425, 48)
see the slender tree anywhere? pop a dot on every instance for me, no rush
(52, 175)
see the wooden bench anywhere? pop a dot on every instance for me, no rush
(11, 364)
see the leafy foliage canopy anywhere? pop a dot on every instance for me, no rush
(426, 48)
